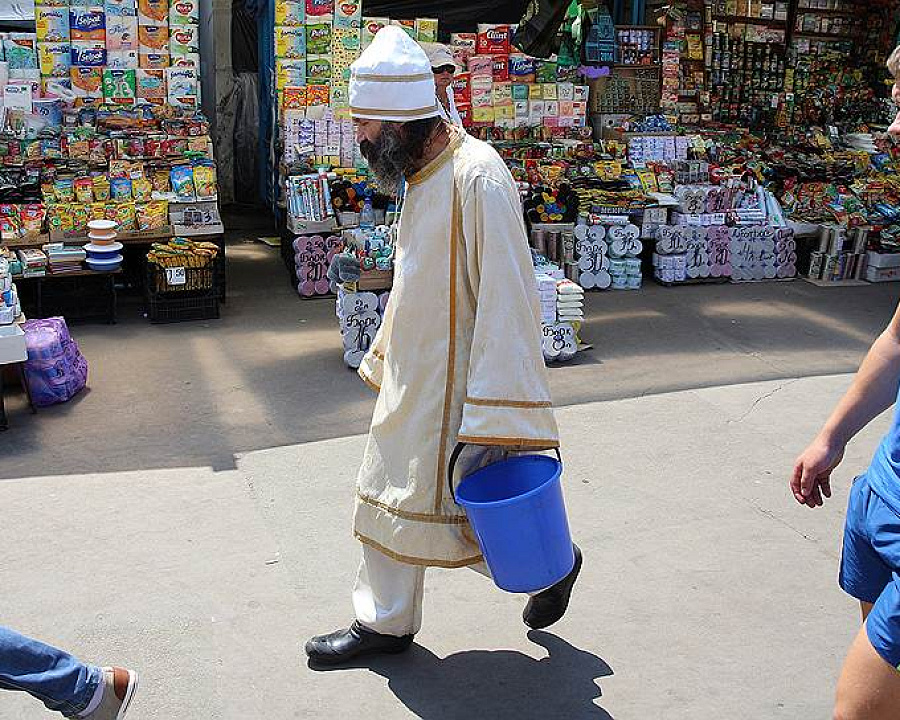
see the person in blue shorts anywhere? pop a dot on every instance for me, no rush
(869, 685)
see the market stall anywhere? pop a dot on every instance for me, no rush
(100, 121)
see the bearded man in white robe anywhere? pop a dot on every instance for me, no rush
(457, 358)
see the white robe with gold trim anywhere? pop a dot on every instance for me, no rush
(458, 356)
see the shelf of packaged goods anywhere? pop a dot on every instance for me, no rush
(823, 11)
(749, 20)
(827, 36)
(638, 66)
(29, 242)
(77, 273)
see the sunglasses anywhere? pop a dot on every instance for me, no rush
(443, 69)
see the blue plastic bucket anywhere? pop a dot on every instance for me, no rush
(517, 512)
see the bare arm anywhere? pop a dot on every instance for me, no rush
(873, 390)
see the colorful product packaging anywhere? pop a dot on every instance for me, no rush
(187, 12)
(294, 98)
(426, 29)
(318, 69)
(54, 59)
(501, 94)
(548, 90)
(292, 14)
(483, 115)
(153, 38)
(120, 8)
(462, 93)
(189, 60)
(151, 85)
(289, 73)
(494, 39)
(87, 82)
(88, 54)
(182, 177)
(154, 61)
(317, 95)
(153, 12)
(481, 66)
(348, 14)
(184, 39)
(500, 68)
(370, 27)
(20, 51)
(320, 9)
(51, 24)
(119, 86)
(87, 24)
(18, 96)
(183, 87)
(122, 59)
(521, 68)
(121, 33)
(519, 91)
(318, 37)
(290, 42)
(340, 96)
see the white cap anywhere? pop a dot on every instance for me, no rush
(392, 80)
(439, 55)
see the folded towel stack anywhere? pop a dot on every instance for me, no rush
(569, 301)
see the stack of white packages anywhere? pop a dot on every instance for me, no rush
(547, 291)
(569, 302)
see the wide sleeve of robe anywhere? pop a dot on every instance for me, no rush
(507, 399)
(371, 369)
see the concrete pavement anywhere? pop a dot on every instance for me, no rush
(707, 593)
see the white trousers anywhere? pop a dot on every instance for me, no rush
(387, 597)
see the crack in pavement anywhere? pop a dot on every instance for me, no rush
(762, 397)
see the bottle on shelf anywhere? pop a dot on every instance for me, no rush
(367, 216)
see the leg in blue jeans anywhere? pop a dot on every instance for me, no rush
(59, 680)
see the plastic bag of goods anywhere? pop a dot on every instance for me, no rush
(55, 370)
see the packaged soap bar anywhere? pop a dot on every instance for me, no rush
(122, 59)
(121, 8)
(318, 37)
(153, 38)
(88, 53)
(290, 42)
(370, 26)
(151, 84)
(87, 24)
(187, 12)
(348, 14)
(153, 12)
(120, 86)
(184, 39)
(121, 33)
(87, 82)
(51, 24)
(55, 59)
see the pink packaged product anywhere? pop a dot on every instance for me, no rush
(122, 33)
(481, 66)
(320, 9)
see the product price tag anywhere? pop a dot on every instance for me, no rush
(176, 276)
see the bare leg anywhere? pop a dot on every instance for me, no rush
(869, 688)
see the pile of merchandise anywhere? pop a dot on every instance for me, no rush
(10, 309)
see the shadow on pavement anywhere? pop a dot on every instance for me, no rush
(497, 684)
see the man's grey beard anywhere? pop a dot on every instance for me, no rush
(389, 158)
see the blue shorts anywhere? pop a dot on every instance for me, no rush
(870, 564)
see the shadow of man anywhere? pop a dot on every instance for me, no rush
(496, 684)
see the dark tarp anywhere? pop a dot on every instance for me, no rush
(454, 15)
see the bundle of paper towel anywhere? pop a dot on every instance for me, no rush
(569, 302)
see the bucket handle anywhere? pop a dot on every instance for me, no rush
(454, 457)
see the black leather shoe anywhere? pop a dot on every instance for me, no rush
(343, 645)
(550, 605)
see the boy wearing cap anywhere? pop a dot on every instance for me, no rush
(457, 358)
(869, 686)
